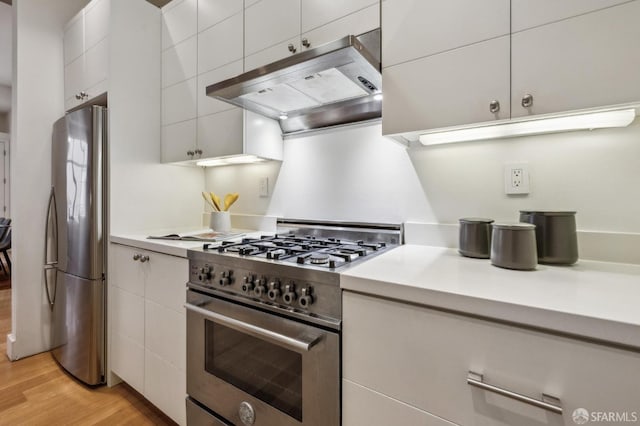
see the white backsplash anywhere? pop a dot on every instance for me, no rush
(356, 174)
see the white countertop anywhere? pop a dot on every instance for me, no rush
(596, 300)
(173, 247)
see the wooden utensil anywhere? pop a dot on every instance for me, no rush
(216, 201)
(208, 200)
(229, 199)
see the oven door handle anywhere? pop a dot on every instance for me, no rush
(299, 343)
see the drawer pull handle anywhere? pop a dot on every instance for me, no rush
(549, 403)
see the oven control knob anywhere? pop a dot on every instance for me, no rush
(205, 272)
(274, 290)
(260, 290)
(225, 278)
(289, 295)
(306, 298)
(247, 283)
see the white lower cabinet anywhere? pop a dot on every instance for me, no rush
(401, 360)
(148, 325)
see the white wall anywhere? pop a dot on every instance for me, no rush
(357, 174)
(37, 101)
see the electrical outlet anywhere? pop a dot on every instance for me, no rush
(516, 178)
(263, 187)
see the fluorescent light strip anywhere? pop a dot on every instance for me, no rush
(230, 160)
(594, 120)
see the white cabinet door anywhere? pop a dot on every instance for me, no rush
(447, 89)
(167, 280)
(220, 44)
(179, 22)
(179, 63)
(416, 28)
(96, 66)
(528, 14)
(126, 315)
(206, 104)
(73, 39)
(178, 140)
(358, 22)
(316, 13)
(165, 387)
(211, 12)
(179, 102)
(269, 23)
(96, 22)
(221, 134)
(74, 82)
(422, 357)
(588, 61)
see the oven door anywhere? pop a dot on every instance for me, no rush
(252, 367)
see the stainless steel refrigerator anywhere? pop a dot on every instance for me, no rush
(75, 243)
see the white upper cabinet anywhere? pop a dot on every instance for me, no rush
(587, 61)
(413, 29)
(211, 12)
(439, 70)
(276, 29)
(528, 14)
(179, 22)
(272, 23)
(86, 53)
(326, 21)
(443, 90)
(444, 63)
(212, 46)
(220, 44)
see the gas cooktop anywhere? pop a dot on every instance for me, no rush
(295, 272)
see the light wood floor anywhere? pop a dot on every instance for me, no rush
(36, 391)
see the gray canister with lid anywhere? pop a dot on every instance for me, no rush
(556, 236)
(513, 246)
(475, 237)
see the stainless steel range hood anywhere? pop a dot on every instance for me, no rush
(330, 85)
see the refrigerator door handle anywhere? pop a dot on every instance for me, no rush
(48, 265)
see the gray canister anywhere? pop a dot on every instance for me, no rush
(556, 236)
(475, 237)
(513, 246)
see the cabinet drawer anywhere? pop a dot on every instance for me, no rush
(364, 407)
(422, 357)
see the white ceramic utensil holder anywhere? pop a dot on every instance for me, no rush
(220, 221)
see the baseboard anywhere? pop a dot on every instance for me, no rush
(617, 247)
(11, 340)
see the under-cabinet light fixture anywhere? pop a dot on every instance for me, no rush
(585, 121)
(227, 161)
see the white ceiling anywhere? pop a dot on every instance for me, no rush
(5, 56)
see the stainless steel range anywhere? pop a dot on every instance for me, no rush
(263, 323)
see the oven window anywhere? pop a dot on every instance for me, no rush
(262, 369)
